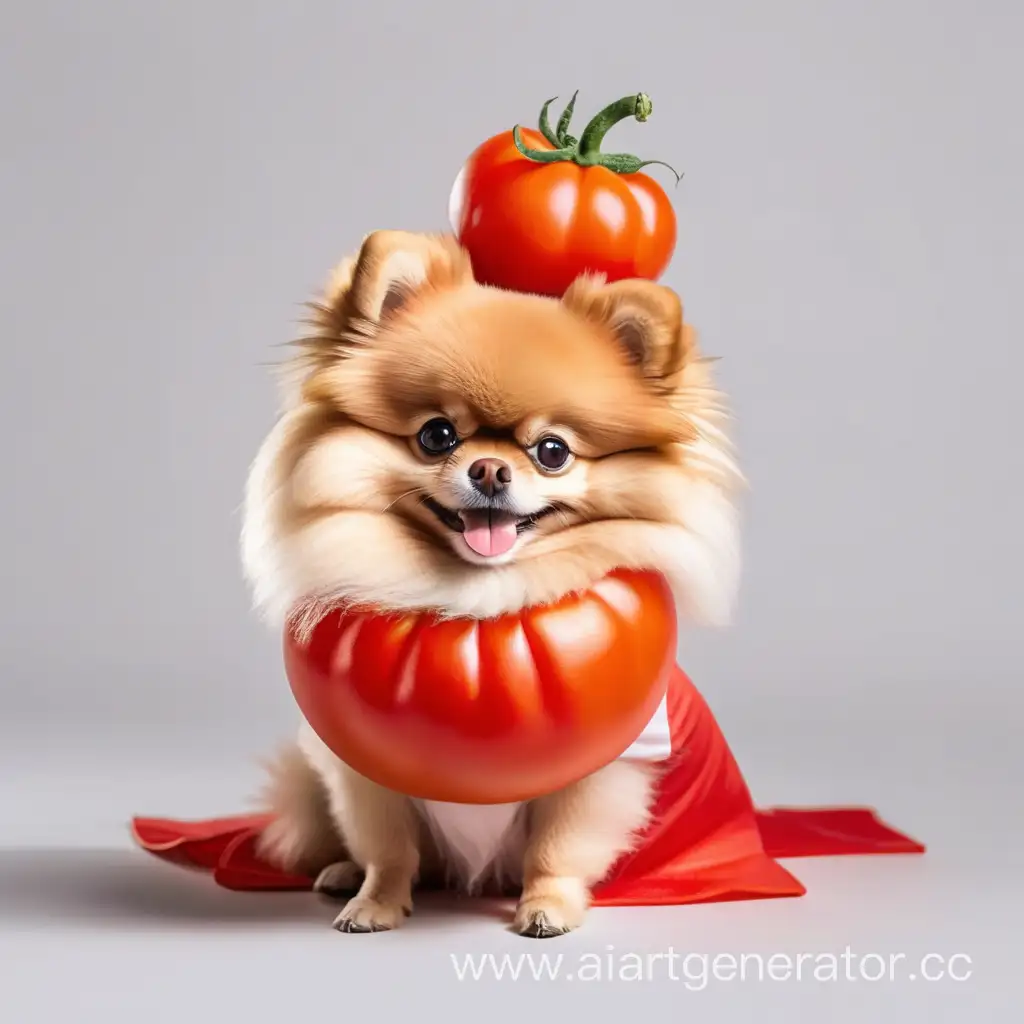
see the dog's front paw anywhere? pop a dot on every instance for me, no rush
(338, 879)
(365, 914)
(555, 910)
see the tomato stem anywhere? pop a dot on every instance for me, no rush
(626, 163)
(587, 151)
(545, 125)
(541, 156)
(564, 138)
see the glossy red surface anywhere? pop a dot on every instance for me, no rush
(493, 710)
(534, 227)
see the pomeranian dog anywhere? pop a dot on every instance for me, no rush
(470, 451)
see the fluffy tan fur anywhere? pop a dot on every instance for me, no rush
(338, 509)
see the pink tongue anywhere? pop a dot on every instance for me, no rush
(489, 533)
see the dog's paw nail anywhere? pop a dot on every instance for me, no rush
(346, 925)
(539, 927)
(367, 915)
(540, 924)
(547, 916)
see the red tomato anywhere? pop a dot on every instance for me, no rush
(534, 218)
(493, 710)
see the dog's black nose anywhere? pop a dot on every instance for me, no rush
(490, 476)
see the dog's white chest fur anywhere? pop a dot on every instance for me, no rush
(478, 837)
(481, 839)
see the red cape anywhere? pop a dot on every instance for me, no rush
(706, 843)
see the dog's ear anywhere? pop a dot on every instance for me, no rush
(394, 267)
(391, 270)
(364, 290)
(643, 319)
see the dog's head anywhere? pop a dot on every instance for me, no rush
(470, 450)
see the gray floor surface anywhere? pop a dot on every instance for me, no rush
(92, 929)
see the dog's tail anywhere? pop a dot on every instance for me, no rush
(301, 837)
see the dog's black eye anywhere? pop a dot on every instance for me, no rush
(438, 437)
(552, 452)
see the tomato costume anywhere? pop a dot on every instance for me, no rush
(490, 711)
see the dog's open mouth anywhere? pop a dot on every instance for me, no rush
(488, 532)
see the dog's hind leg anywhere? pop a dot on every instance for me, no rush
(301, 836)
